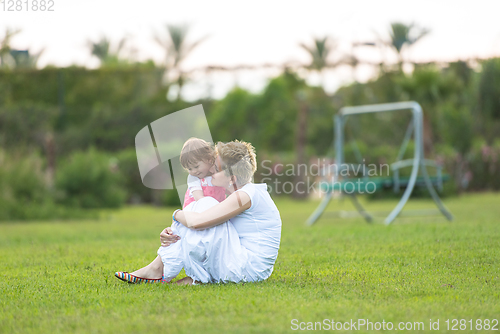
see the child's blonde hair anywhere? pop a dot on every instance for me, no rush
(195, 150)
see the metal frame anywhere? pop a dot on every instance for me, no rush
(418, 161)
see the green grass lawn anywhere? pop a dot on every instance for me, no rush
(58, 276)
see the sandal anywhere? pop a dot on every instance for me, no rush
(129, 278)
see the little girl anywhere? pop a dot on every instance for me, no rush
(197, 157)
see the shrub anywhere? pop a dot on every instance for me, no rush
(170, 198)
(129, 169)
(21, 185)
(484, 166)
(90, 180)
(25, 193)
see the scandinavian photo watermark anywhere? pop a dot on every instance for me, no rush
(27, 5)
(321, 174)
(369, 325)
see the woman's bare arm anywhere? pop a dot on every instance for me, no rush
(232, 206)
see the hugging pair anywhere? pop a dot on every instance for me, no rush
(218, 238)
(198, 159)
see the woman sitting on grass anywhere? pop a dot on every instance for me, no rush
(241, 234)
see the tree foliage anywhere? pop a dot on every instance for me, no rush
(76, 108)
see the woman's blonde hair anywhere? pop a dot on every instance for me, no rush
(195, 150)
(240, 157)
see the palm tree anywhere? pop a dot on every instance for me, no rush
(352, 60)
(177, 49)
(404, 35)
(319, 52)
(23, 58)
(5, 46)
(106, 55)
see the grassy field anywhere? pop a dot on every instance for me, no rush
(58, 276)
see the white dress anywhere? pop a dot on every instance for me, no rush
(243, 249)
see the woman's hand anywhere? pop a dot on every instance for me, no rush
(167, 237)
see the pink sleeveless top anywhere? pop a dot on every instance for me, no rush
(208, 190)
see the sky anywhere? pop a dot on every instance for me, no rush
(256, 32)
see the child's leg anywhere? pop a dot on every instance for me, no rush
(174, 255)
(197, 241)
(171, 255)
(195, 245)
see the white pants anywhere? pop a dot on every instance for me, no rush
(211, 255)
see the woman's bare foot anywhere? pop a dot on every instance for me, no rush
(154, 270)
(185, 281)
